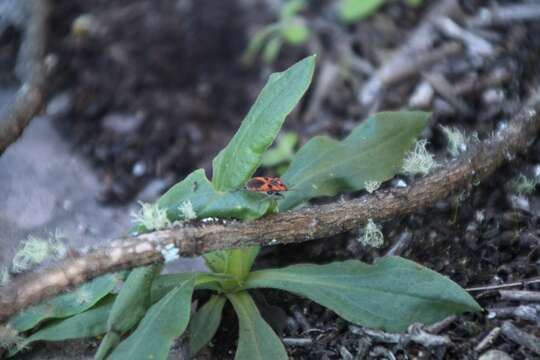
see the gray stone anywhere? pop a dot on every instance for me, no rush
(495, 355)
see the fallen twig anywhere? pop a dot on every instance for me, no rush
(521, 337)
(522, 283)
(291, 227)
(488, 340)
(523, 312)
(442, 325)
(416, 47)
(415, 334)
(505, 15)
(520, 295)
(31, 70)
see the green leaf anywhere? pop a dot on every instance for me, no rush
(237, 162)
(354, 10)
(257, 340)
(205, 322)
(291, 8)
(282, 152)
(414, 3)
(295, 32)
(89, 323)
(68, 304)
(390, 295)
(257, 42)
(108, 343)
(203, 281)
(271, 50)
(373, 151)
(237, 262)
(164, 321)
(129, 307)
(207, 202)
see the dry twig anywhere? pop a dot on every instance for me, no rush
(521, 337)
(520, 295)
(415, 48)
(488, 340)
(31, 70)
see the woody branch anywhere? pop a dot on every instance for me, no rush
(291, 227)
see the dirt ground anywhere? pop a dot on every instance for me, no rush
(149, 91)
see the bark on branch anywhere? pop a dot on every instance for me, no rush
(290, 227)
(31, 70)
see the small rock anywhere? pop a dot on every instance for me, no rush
(139, 169)
(60, 105)
(153, 189)
(492, 96)
(122, 124)
(495, 355)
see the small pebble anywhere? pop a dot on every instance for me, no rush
(495, 355)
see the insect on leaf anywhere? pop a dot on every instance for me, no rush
(237, 162)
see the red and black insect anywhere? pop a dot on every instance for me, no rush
(268, 185)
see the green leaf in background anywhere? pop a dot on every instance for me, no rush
(291, 8)
(271, 49)
(237, 162)
(205, 322)
(164, 321)
(373, 151)
(389, 295)
(414, 3)
(257, 340)
(257, 42)
(295, 32)
(129, 307)
(354, 10)
(207, 202)
(68, 304)
(282, 152)
(92, 322)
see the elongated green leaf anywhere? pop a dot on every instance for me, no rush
(129, 307)
(109, 341)
(237, 162)
(373, 151)
(92, 322)
(164, 321)
(68, 304)
(205, 322)
(203, 281)
(354, 10)
(389, 295)
(133, 300)
(207, 202)
(257, 340)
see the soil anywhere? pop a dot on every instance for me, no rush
(149, 91)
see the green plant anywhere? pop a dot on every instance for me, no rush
(290, 28)
(353, 10)
(154, 309)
